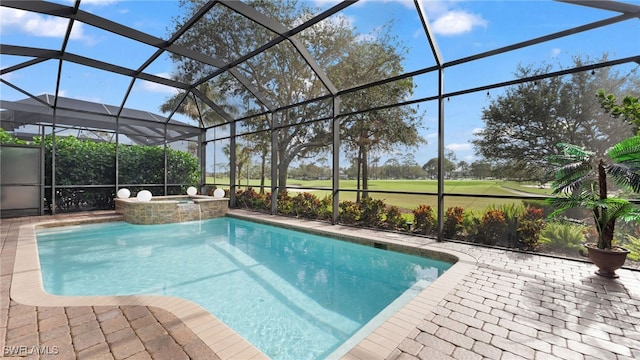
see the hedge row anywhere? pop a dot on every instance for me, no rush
(516, 226)
(85, 162)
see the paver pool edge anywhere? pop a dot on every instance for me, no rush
(27, 288)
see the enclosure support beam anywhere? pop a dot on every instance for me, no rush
(335, 168)
(166, 162)
(53, 164)
(117, 154)
(441, 169)
(274, 164)
(202, 156)
(232, 164)
(439, 63)
(43, 157)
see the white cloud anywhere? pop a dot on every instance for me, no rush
(477, 131)
(444, 15)
(458, 147)
(457, 22)
(39, 25)
(555, 52)
(447, 18)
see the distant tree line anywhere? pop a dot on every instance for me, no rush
(392, 169)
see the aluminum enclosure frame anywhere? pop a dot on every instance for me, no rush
(120, 120)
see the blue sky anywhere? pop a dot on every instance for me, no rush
(462, 28)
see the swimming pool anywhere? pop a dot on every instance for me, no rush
(291, 294)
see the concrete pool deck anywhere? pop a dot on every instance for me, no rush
(492, 304)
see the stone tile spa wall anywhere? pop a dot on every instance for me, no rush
(171, 209)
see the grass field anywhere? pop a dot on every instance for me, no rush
(409, 202)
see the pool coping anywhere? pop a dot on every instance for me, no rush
(27, 287)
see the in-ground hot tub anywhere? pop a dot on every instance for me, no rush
(171, 209)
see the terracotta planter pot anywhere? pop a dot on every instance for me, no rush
(607, 261)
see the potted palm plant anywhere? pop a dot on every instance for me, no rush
(581, 181)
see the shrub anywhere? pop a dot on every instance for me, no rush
(371, 212)
(326, 208)
(6, 138)
(349, 212)
(530, 224)
(547, 208)
(424, 220)
(470, 221)
(512, 213)
(243, 198)
(284, 206)
(93, 163)
(492, 227)
(393, 219)
(562, 237)
(453, 220)
(305, 205)
(81, 199)
(632, 243)
(250, 199)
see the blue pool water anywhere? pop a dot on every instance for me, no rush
(291, 294)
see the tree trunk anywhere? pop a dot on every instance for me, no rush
(262, 169)
(607, 234)
(602, 179)
(365, 172)
(358, 168)
(283, 170)
(606, 230)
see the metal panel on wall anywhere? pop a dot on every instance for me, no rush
(20, 180)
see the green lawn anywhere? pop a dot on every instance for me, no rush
(410, 202)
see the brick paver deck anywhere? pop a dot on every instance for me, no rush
(502, 305)
(520, 306)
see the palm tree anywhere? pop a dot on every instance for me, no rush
(581, 179)
(198, 110)
(243, 157)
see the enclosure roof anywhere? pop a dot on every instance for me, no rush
(140, 126)
(65, 54)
